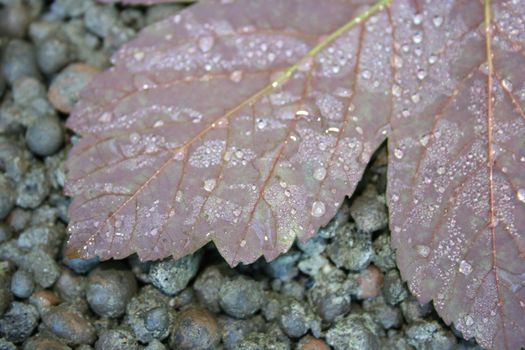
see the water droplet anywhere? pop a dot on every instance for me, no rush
(395, 198)
(139, 55)
(423, 250)
(206, 43)
(415, 98)
(283, 184)
(424, 140)
(432, 59)
(243, 243)
(521, 195)
(465, 268)
(366, 74)
(134, 137)
(398, 153)
(398, 61)
(320, 173)
(261, 123)
(421, 74)
(239, 154)
(469, 321)
(105, 117)
(396, 90)
(209, 184)
(318, 209)
(417, 19)
(417, 38)
(236, 76)
(437, 21)
(507, 84)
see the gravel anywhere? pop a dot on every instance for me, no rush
(339, 290)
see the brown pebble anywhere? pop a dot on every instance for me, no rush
(370, 282)
(43, 342)
(70, 325)
(65, 89)
(310, 343)
(195, 329)
(43, 300)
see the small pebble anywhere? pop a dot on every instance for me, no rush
(100, 19)
(294, 320)
(384, 314)
(45, 136)
(71, 286)
(33, 189)
(65, 88)
(430, 335)
(17, 324)
(355, 332)
(70, 326)
(195, 329)
(369, 283)
(330, 297)
(155, 345)
(172, 276)
(234, 331)
(81, 266)
(310, 343)
(22, 284)
(42, 266)
(369, 211)
(19, 60)
(7, 196)
(44, 342)
(394, 289)
(14, 19)
(207, 287)
(384, 256)
(116, 339)
(351, 248)
(284, 267)
(53, 54)
(241, 297)
(109, 290)
(43, 300)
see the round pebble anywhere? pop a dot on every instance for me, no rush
(70, 326)
(18, 322)
(172, 276)
(65, 88)
(116, 339)
(195, 329)
(45, 136)
(52, 55)
(109, 291)
(241, 297)
(44, 342)
(15, 19)
(207, 287)
(311, 343)
(157, 319)
(19, 60)
(22, 284)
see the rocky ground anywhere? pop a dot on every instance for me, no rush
(341, 290)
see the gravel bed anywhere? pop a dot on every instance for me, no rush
(341, 290)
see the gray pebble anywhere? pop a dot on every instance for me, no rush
(19, 60)
(116, 339)
(314, 246)
(148, 314)
(172, 276)
(384, 256)
(430, 336)
(69, 325)
(53, 54)
(330, 297)
(351, 248)
(14, 19)
(7, 196)
(413, 310)
(195, 329)
(294, 319)
(355, 332)
(159, 12)
(100, 19)
(2, 85)
(207, 287)
(71, 286)
(384, 314)
(284, 267)
(47, 236)
(6, 233)
(18, 322)
(70, 8)
(26, 90)
(233, 331)
(33, 188)
(7, 345)
(241, 297)
(109, 290)
(42, 266)
(311, 265)
(394, 289)
(22, 284)
(5, 293)
(155, 345)
(369, 211)
(45, 136)
(263, 341)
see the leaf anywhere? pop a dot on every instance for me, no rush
(248, 122)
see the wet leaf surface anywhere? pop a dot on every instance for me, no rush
(246, 123)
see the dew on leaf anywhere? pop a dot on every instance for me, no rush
(366, 74)
(236, 76)
(320, 173)
(437, 21)
(417, 38)
(507, 84)
(209, 184)
(423, 250)
(521, 195)
(417, 19)
(318, 209)
(398, 153)
(465, 268)
(421, 74)
(206, 43)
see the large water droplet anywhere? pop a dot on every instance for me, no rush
(465, 268)
(206, 43)
(421, 74)
(320, 173)
(236, 76)
(366, 74)
(318, 209)
(469, 321)
(261, 123)
(398, 153)
(437, 21)
(521, 195)
(507, 84)
(417, 38)
(423, 250)
(417, 19)
(209, 185)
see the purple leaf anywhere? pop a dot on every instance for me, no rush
(246, 123)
